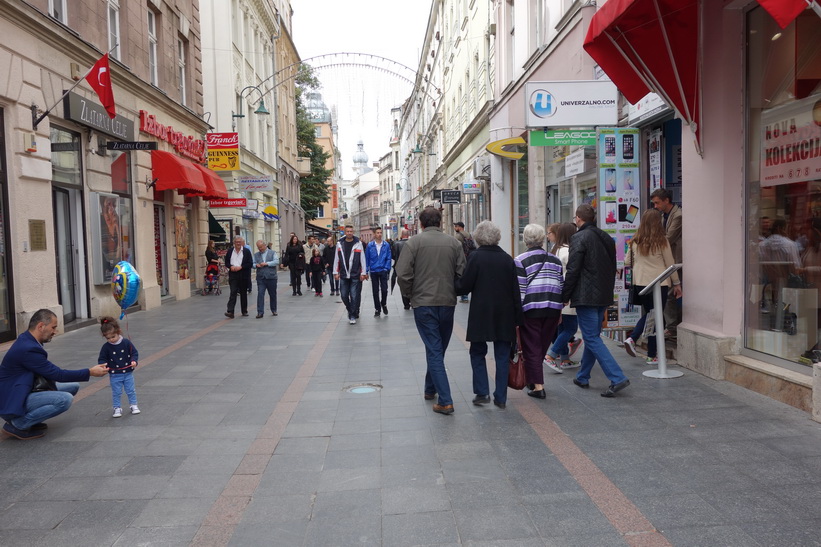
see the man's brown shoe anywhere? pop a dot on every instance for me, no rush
(430, 396)
(443, 409)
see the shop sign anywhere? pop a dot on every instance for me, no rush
(571, 103)
(256, 184)
(77, 108)
(791, 143)
(562, 137)
(252, 204)
(451, 197)
(270, 212)
(185, 146)
(124, 146)
(223, 151)
(472, 187)
(250, 214)
(574, 163)
(648, 107)
(500, 148)
(236, 202)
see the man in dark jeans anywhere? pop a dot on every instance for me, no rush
(239, 262)
(351, 269)
(266, 262)
(427, 268)
(397, 250)
(378, 254)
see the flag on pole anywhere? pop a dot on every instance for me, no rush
(784, 11)
(99, 78)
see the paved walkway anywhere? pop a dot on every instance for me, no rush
(248, 437)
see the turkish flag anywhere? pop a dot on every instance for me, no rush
(99, 78)
(784, 11)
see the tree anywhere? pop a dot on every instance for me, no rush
(313, 191)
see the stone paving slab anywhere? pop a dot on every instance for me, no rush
(260, 407)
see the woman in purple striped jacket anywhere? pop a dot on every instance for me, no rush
(540, 287)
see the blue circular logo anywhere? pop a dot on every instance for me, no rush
(542, 103)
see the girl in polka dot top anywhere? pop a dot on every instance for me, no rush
(121, 357)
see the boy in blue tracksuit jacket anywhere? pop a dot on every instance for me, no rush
(378, 256)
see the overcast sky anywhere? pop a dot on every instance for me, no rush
(363, 96)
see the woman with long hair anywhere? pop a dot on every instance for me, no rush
(294, 259)
(649, 254)
(558, 356)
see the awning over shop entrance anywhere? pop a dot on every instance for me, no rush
(214, 185)
(215, 231)
(651, 45)
(175, 173)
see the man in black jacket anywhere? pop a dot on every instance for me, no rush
(588, 286)
(239, 260)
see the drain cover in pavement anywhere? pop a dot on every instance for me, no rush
(359, 389)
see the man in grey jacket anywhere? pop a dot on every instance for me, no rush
(265, 263)
(426, 271)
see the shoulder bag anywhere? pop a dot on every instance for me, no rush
(41, 383)
(516, 371)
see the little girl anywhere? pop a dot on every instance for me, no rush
(317, 268)
(120, 355)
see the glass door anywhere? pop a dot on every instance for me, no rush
(64, 245)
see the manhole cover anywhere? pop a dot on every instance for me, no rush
(359, 389)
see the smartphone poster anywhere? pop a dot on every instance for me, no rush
(619, 198)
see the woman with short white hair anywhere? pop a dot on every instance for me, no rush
(540, 289)
(495, 310)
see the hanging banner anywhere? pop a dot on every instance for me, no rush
(619, 207)
(791, 143)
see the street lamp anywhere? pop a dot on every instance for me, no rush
(260, 109)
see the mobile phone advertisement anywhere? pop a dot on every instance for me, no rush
(620, 203)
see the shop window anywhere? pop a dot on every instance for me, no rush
(783, 212)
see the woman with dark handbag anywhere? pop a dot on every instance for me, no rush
(540, 289)
(648, 255)
(495, 310)
(294, 259)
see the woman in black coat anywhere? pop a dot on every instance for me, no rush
(328, 257)
(495, 310)
(294, 259)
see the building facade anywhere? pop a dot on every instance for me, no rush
(79, 206)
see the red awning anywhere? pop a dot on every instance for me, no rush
(214, 185)
(651, 45)
(784, 11)
(175, 173)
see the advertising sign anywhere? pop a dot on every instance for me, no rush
(563, 137)
(79, 109)
(236, 202)
(223, 151)
(791, 143)
(472, 187)
(648, 107)
(453, 197)
(574, 163)
(619, 206)
(571, 104)
(256, 184)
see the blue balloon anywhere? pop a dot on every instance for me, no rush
(125, 285)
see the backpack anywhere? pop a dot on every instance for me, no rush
(468, 246)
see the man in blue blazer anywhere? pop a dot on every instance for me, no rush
(25, 412)
(238, 260)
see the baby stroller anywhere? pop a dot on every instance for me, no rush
(212, 280)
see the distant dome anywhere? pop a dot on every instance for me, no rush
(316, 108)
(360, 156)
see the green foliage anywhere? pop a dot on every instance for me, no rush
(313, 190)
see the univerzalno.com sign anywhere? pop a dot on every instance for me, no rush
(571, 103)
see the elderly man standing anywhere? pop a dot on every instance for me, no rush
(25, 411)
(239, 262)
(662, 200)
(266, 262)
(588, 286)
(427, 268)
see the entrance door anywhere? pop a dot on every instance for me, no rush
(7, 323)
(160, 257)
(64, 243)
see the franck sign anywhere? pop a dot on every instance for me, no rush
(571, 104)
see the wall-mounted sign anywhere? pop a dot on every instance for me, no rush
(185, 146)
(453, 197)
(648, 107)
(252, 204)
(223, 151)
(123, 146)
(236, 202)
(563, 137)
(256, 184)
(502, 147)
(574, 163)
(270, 212)
(88, 113)
(571, 104)
(472, 187)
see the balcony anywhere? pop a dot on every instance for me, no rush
(303, 166)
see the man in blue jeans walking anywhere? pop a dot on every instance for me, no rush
(351, 269)
(427, 268)
(265, 263)
(25, 412)
(378, 254)
(588, 286)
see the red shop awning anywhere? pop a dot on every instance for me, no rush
(175, 173)
(214, 185)
(784, 11)
(651, 45)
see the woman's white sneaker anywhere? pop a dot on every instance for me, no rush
(552, 365)
(630, 347)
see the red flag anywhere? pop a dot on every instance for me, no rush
(784, 11)
(100, 81)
